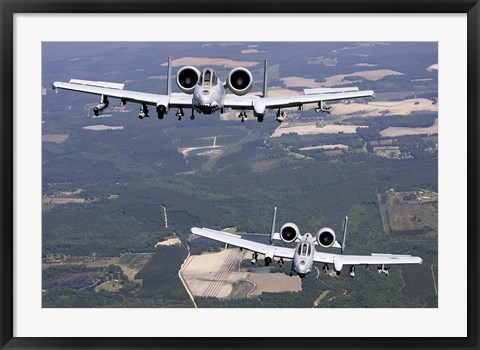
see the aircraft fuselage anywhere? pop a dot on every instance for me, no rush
(303, 258)
(208, 98)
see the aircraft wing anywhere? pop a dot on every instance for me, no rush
(298, 100)
(116, 91)
(238, 241)
(310, 96)
(373, 259)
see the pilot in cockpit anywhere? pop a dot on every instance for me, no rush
(208, 78)
(304, 249)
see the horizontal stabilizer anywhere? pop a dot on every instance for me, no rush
(329, 90)
(103, 84)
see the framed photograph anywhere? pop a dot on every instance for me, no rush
(297, 176)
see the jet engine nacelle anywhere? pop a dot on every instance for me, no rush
(187, 78)
(98, 109)
(289, 232)
(240, 81)
(326, 237)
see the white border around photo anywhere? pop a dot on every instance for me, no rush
(448, 320)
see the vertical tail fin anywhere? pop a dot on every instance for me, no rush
(169, 76)
(273, 224)
(344, 233)
(265, 77)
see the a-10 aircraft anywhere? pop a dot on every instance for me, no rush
(304, 254)
(204, 93)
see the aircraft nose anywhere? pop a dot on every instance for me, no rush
(205, 101)
(301, 267)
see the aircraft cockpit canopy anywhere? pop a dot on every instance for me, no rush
(208, 78)
(304, 249)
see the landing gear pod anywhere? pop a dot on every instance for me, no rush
(98, 109)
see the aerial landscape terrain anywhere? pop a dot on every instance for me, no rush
(120, 194)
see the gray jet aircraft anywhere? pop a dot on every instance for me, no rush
(304, 254)
(205, 93)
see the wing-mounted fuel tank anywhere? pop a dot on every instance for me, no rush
(289, 232)
(240, 81)
(326, 237)
(187, 78)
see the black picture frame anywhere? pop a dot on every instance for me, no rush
(10, 7)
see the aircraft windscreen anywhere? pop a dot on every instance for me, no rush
(304, 249)
(208, 78)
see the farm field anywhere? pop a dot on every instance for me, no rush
(414, 212)
(398, 131)
(274, 283)
(102, 127)
(384, 108)
(339, 79)
(55, 138)
(312, 128)
(213, 274)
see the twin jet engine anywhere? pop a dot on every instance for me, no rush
(239, 80)
(290, 233)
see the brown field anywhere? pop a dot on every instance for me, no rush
(102, 127)
(365, 65)
(247, 51)
(71, 193)
(334, 152)
(301, 82)
(205, 61)
(62, 200)
(380, 108)
(214, 274)
(169, 241)
(339, 79)
(327, 147)
(311, 128)
(397, 131)
(274, 283)
(218, 275)
(55, 138)
(373, 75)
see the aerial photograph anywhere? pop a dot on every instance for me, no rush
(239, 174)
